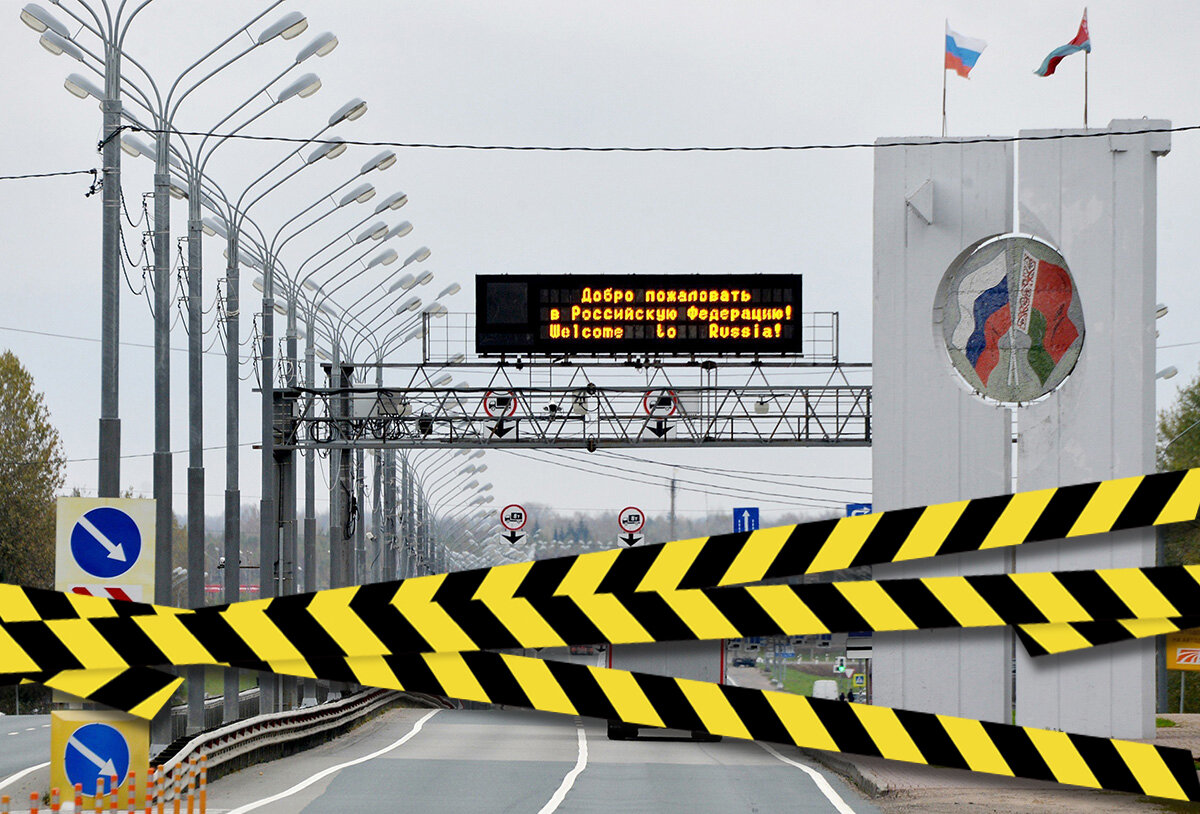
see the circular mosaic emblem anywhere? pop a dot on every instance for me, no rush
(1009, 314)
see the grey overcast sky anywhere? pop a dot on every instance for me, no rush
(556, 72)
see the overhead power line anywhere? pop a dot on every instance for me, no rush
(729, 148)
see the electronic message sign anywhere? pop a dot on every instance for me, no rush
(637, 314)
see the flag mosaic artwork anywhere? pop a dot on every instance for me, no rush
(1011, 318)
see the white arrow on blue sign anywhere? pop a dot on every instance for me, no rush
(106, 542)
(96, 752)
(856, 509)
(745, 519)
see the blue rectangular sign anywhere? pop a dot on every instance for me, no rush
(855, 509)
(745, 519)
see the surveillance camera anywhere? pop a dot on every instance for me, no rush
(370, 536)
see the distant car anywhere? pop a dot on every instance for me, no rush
(744, 661)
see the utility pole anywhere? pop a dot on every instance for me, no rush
(673, 537)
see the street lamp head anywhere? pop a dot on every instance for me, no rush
(331, 148)
(399, 230)
(424, 277)
(481, 468)
(384, 258)
(420, 256)
(215, 227)
(361, 193)
(348, 112)
(415, 333)
(405, 282)
(435, 309)
(380, 162)
(303, 87)
(310, 285)
(83, 87)
(177, 193)
(442, 381)
(321, 46)
(457, 359)
(39, 20)
(393, 201)
(411, 304)
(57, 45)
(212, 227)
(288, 26)
(476, 454)
(329, 308)
(373, 232)
(471, 485)
(450, 290)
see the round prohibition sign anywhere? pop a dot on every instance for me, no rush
(658, 399)
(631, 519)
(513, 517)
(500, 405)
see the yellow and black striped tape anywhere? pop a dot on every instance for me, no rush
(84, 645)
(412, 617)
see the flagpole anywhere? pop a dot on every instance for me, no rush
(1085, 88)
(1086, 54)
(944, 102)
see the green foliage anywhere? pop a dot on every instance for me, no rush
(1179, 448)
(32, 467)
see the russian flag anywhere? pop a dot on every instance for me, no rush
(1082, 42)
(962, 52)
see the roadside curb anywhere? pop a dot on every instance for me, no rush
(865, 781)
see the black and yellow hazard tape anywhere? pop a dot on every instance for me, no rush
(1049, 638)
(409, 617)
(422, 633)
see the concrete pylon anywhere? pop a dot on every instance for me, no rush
(933, 440)
(1095, 200)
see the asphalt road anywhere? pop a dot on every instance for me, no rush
(519, 761)
(24, 742)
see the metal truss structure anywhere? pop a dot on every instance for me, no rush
(574, 405)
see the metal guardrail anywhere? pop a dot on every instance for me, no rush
(214, 712)
(277, 734)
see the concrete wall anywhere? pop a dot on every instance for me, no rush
(933, 440)
(1095, 199)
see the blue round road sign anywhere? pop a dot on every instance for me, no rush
(96, 752)
(106, 542)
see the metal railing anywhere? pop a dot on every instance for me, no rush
(277, 734)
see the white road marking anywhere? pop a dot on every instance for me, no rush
(822, 784)
(15, 777)
(729, 680)
(326, 772)
(30, 729)
(560, 793)
(45, 726)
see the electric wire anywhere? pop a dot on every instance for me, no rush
(731, 489)
(852, 145)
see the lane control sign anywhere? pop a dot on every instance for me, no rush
(106, 542)
(96, 752)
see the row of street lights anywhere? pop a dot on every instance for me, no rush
(372, 322)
